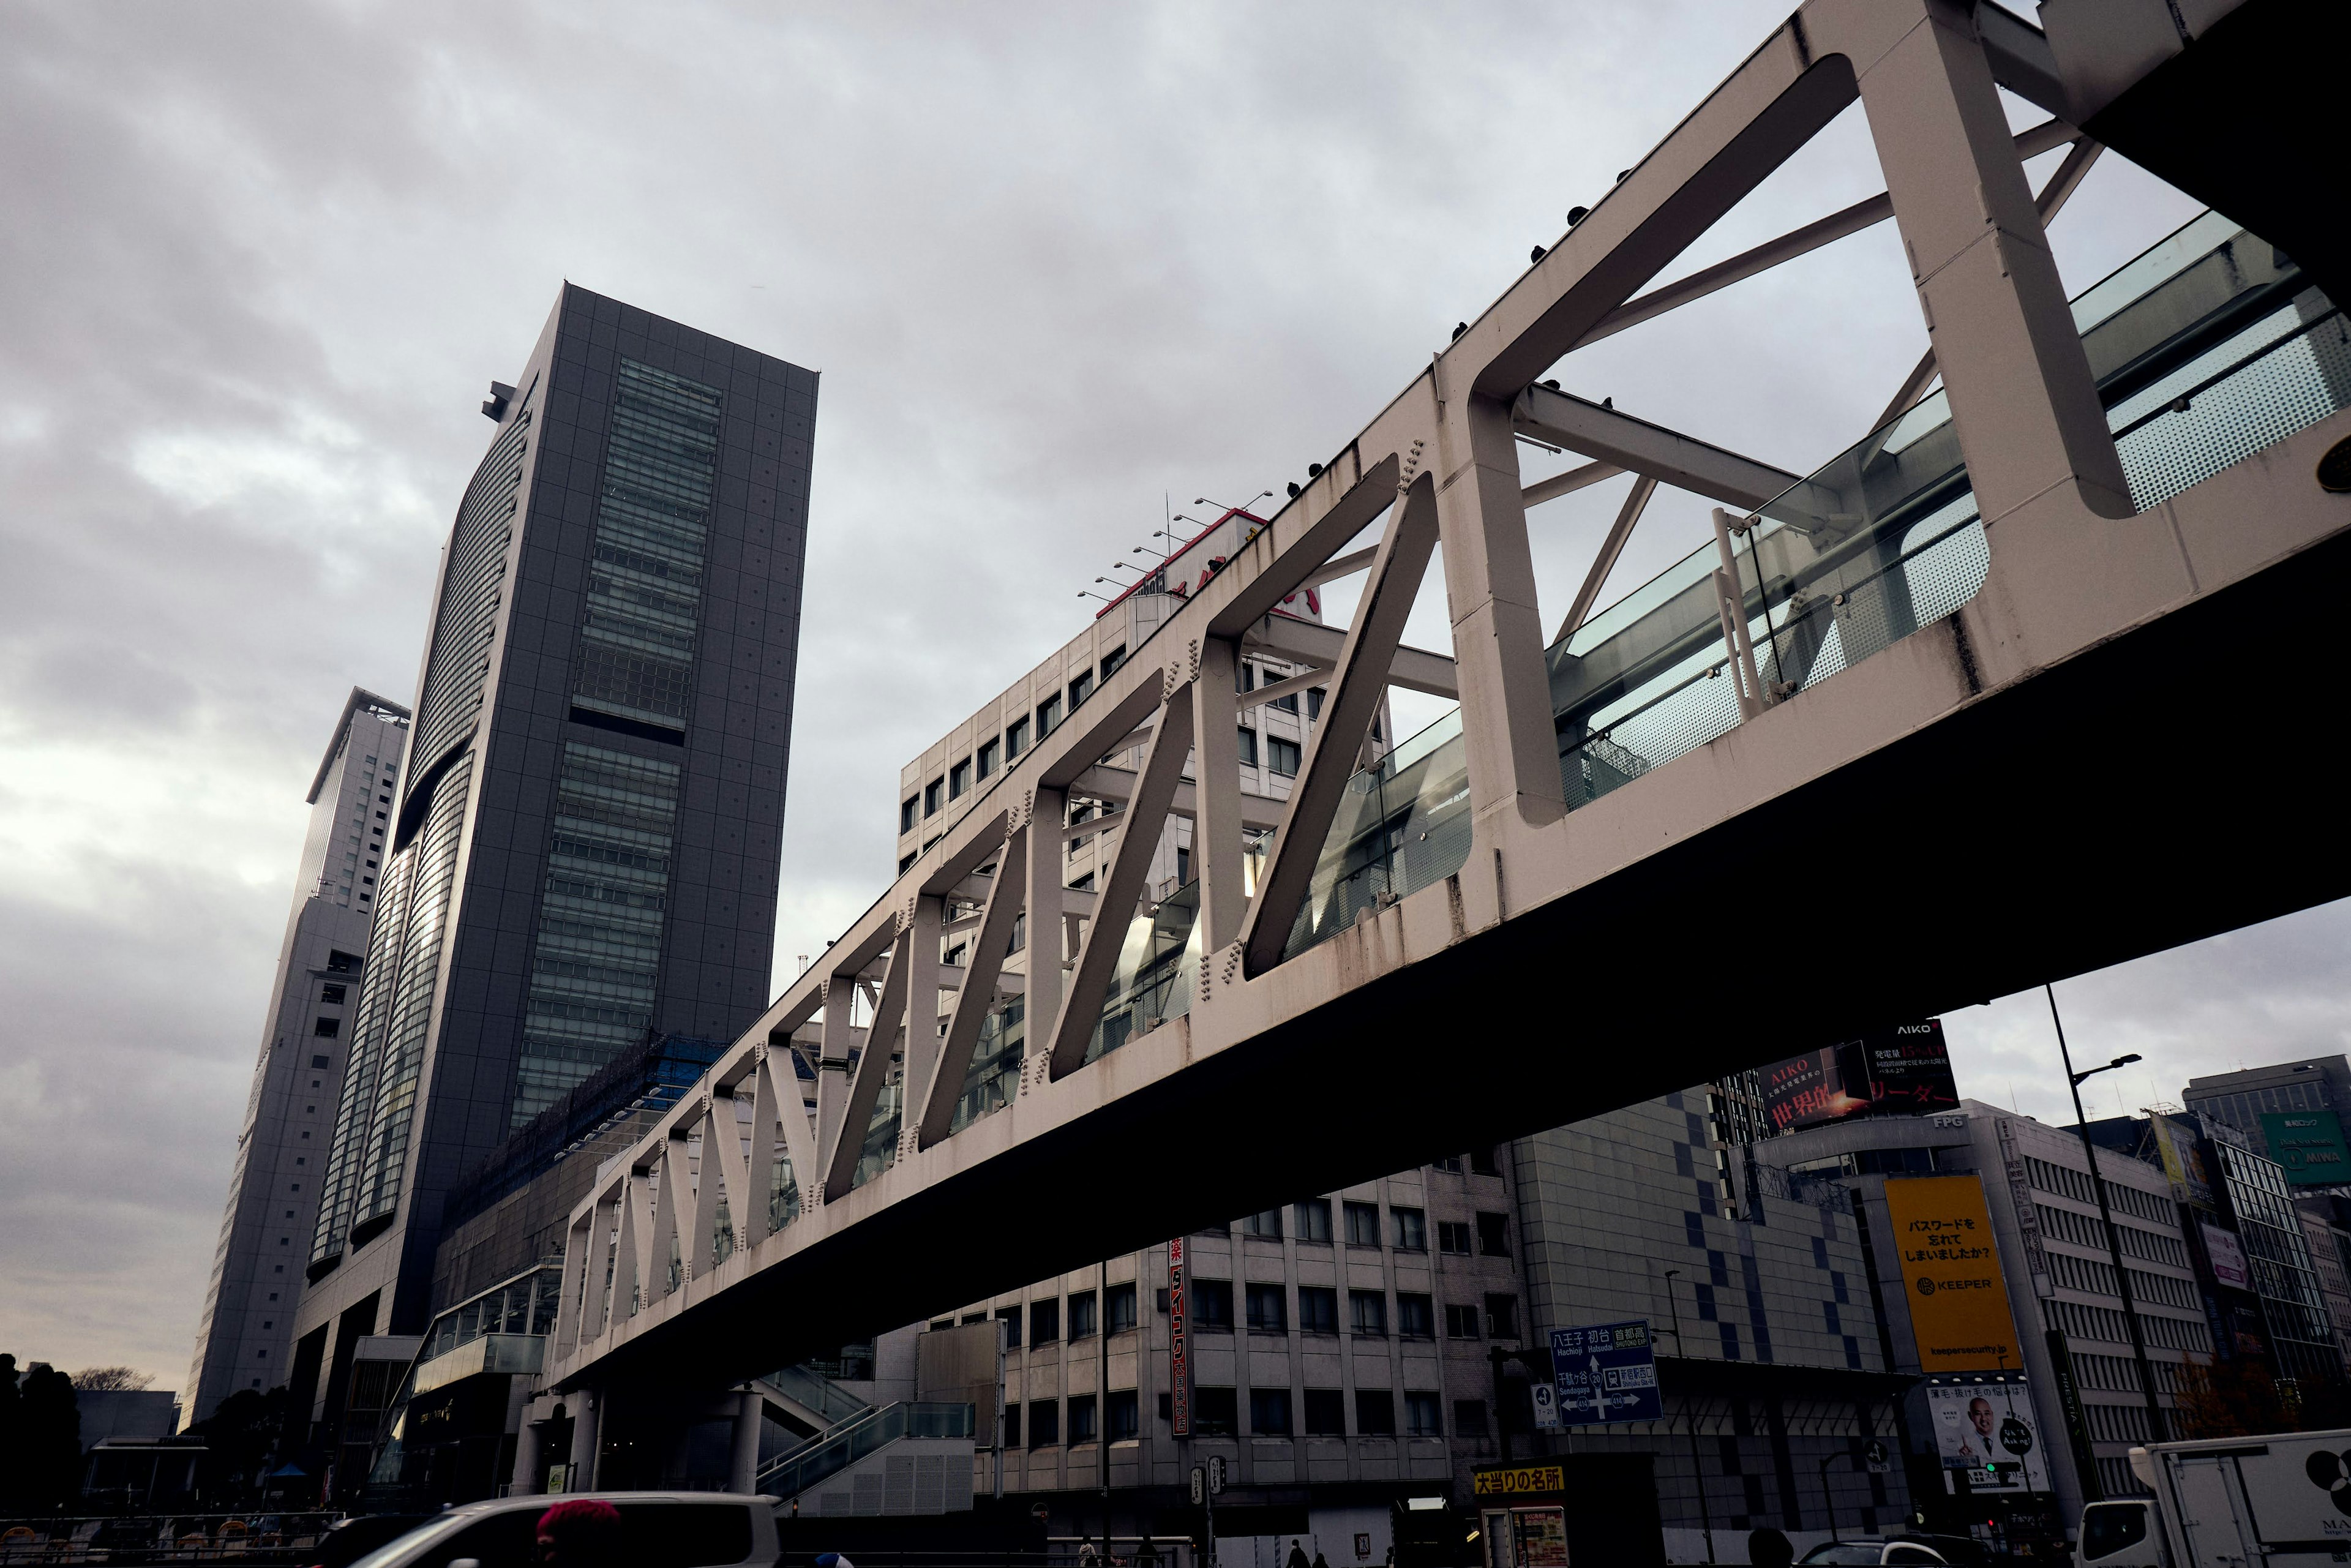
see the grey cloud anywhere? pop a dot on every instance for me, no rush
(1056, 262)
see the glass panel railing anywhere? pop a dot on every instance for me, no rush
(1158, 965)
(854, 1440)
(2206, 348)
(992, 1077)
(878, 1151)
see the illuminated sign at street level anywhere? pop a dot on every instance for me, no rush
(1519, 1480)
(1950, 1274)
(2309, 1145)
(1605, 1373)
(1986, 1429)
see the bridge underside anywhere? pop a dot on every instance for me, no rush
(2140, 795)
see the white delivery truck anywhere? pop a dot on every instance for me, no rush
(2282, 1501)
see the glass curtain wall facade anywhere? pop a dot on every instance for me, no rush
(586, 850)
(2284, 1277)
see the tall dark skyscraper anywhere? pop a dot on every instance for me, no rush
(585, 848)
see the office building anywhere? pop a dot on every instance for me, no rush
(248, 1327)
(584, 849)
(2290, 1112)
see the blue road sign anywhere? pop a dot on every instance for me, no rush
(1607, 1372)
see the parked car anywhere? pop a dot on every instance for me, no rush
(658, 1530)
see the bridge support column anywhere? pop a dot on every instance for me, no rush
(587, 1424)
(524, 1478)
(2023, 400)
(1217, 819)
(743, 1474)
(1049, 813)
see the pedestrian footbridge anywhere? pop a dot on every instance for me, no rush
(2033, 678)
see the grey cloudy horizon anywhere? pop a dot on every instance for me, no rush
(1060, 266)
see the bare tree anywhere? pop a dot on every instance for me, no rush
(110, 1380)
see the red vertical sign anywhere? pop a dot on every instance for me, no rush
(1180, 1350)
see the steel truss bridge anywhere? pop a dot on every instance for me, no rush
(2029, 680)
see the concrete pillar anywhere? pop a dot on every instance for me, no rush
(587, 1415)
(1045, 872)
(743, 1474)
(527, 1478)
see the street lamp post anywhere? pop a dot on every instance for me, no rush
(2155, 1422)
(1689, 1423)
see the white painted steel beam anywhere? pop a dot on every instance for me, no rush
(1666, 455)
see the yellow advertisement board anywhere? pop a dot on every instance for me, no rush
(1950, 1274)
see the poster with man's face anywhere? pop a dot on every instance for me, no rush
(1980, 1425)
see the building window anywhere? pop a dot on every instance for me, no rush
(906, 861)
(1125, 1419)
(1265, 1226)
(1367, 1312)
(1461, 1323)
(1048, 716)
(1011, 1318)
(1081, 689)
(1044, 1322)
(1082, 1316)
(931, 797)
(1012, 1426)
(1245, 676)
(1485, 1162)
(1423, 1416)
(1494, 1235)
(1268, 1308)
(1111, 661)
(1312, 1219)
(1362, 1224)
(906, 813)
(1469, 1418)
(1326, 1413)
(319, 1061)
(1453, 1235)
(1282, 755)
(987, 756)
(340, 962)
(1016, 739)
(1214, 1412)
(1411, 1229)
(959, 779)
(1287, 705)
(1416, 1317)
(1120, 1308)
(331, 995)
(1082, 1418)
(1502, 1316)
(327, 1029)
(1318, 1309)
(1249, 746)
(1212, 1305)
(1314, 695)
(1270, 1412)
(1044, 1422)
(1375, 1413)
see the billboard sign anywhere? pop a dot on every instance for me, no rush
(1987, 1429)
(1904, 1071)
(1607, 1372)
(2309, 1145)
(1950, 1274)
(2227, 1256)
(2179, 1143)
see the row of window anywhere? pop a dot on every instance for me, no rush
(1309, 1221)
(2104, 1324)
(1322, 1412)
(1282, 755)
(2082, 1230)
(1210, 1305)
(2095, 1279)
(983, 764)
(2067, 1182)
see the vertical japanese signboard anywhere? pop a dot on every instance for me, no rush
(1179, 1349)
(1950, 1274)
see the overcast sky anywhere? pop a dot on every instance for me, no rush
(1058, 265)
